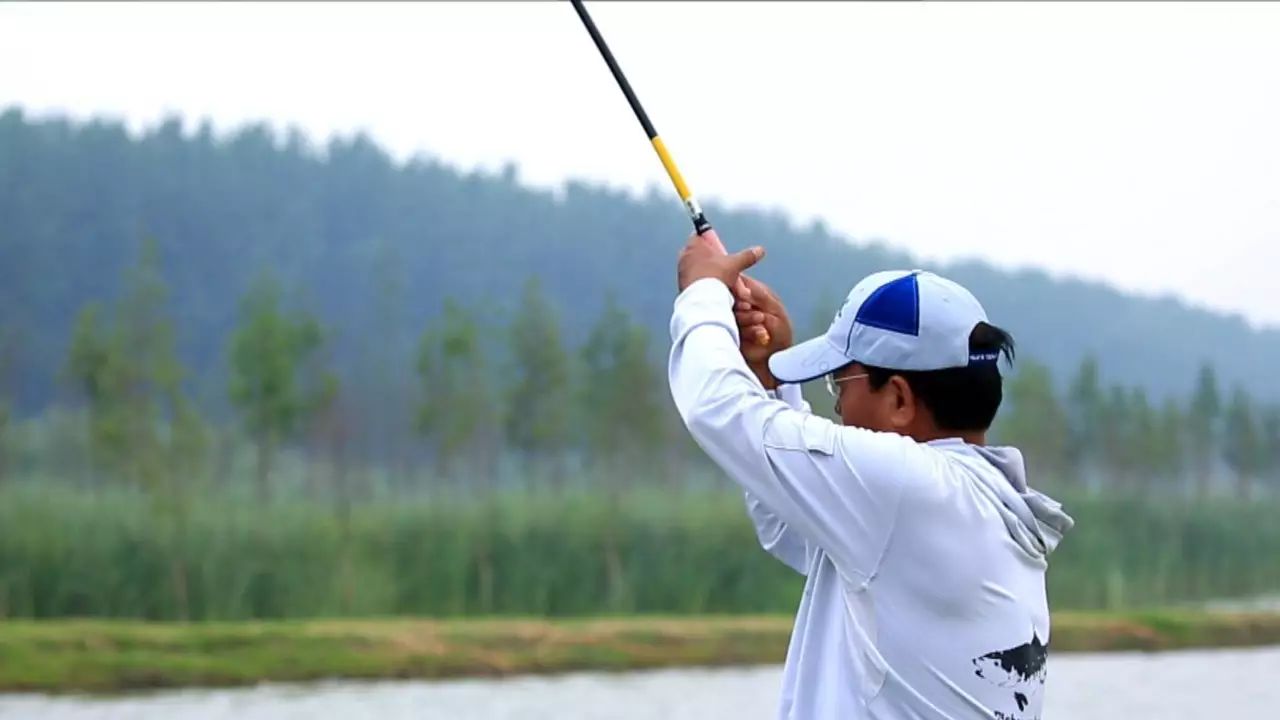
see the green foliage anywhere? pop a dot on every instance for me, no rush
(67, 553)
(8, 349)
(86, 371)
(537, 416)
(126, 371)
(1085, 413)
(348, 227)
(6, 419)
(270, 357)
(1036, 422)
(1270, 443)
(457, 414)
(1143, 435)
(623, 397)
(1203, 425)
(87, 358)
(1167, 456)
(1243, 449)
(1120, 436)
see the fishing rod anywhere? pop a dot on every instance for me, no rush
(700, 224)
(699, 219)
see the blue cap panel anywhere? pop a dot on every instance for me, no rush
(894, 306)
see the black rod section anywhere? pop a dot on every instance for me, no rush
(613, 68)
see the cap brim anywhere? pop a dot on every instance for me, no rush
(806, 361)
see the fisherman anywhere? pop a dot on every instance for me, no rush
(923, 549)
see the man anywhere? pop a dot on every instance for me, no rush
(924, 550)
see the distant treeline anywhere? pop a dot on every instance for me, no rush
(480, 394)
(373, 248)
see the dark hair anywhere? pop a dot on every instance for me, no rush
(962, 398)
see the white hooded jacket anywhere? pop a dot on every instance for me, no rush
(924, 562)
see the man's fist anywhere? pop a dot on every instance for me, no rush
(704, 257)
(763, 327)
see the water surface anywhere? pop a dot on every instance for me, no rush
(1118, 686)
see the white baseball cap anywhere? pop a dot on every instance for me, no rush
(897, 319)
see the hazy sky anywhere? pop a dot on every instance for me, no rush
(1137, 144)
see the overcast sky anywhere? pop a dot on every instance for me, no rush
(1137, 144)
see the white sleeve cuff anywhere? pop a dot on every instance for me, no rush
(792, 396)
(705, 302)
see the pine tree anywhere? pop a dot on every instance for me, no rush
(1036, 422)
(1144, 438)
(1202, 428)
(1117, 437)
(1270, 445)
(1085, 416)
(1170, 449)
(1242, 447)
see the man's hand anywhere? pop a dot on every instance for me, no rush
(763, 327)
(704, 257)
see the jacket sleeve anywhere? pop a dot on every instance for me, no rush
(775, 537)
(834, 487)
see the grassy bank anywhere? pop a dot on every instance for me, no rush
(115, 553)
(112, 655)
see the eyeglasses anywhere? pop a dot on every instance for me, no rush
(833, 381)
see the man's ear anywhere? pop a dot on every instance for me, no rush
(902, 402)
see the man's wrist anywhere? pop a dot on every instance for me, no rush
(686, 283)
(762, 374)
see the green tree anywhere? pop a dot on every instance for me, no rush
(537, 414)
(1144, 436)
(621, 401)
(269, 353)
(5, 420)
(8, 349)
(1036, 422)
(142, 427)
(1270, 431)
(1170, 450)
(1242, 446)
(86, 371)
(1085, 409)
(1117, 437)
(145, 374)
(456, 413)
(1202, 428)
(622, 395)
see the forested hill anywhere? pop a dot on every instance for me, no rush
(373, 248)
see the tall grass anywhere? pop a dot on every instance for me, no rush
(120, 554)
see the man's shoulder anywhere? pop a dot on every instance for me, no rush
(922, 470)
(890, 459)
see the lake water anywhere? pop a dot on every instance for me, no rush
(1120, 686)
